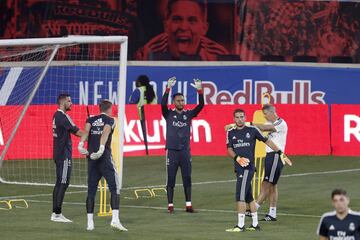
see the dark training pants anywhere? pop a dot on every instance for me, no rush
(63, 173)
(244, 177)
(102, 167)
(174, 160)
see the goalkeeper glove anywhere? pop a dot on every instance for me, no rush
(171, 82)
(197, 84)
(98, 154)
(284, 158)
(244, 162)
(81, 149)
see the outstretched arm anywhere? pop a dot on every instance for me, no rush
(198, 86)
(200, 106)
(164, 109)
(283, 157)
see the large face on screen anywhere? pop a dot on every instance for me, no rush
(185, 25)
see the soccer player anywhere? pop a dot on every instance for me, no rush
(343, 223)
(241, 140)
(98, 131)
(277, 129)
(178, 122)
(62, 153)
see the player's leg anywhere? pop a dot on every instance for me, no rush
(94, 177)
(250, 200)
(63, 173)
(273, 189)
(265, 185)
(112, 178)
(172, 164)
(185, 166)
(240, 197)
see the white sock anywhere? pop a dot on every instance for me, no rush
(115, 215)
(188, 204)
(170, 205)
(272, 212)
(241, 220)
(254, 217)
(90, 217)
(257, 206)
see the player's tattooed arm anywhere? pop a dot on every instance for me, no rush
(86, 132)
(83, 138)
(105, 134)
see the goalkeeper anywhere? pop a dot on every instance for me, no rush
(99, 130)
(241, 142)
(178, 122)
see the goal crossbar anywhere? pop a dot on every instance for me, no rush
(63, 40)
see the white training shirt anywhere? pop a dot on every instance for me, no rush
(278, 137)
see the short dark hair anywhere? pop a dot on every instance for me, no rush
(62, 96)
(200, 3)
(238, 110)
(338, 191)
(177, 94)
(104, 105)
(268, 107)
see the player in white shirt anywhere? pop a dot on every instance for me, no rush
(277, 129)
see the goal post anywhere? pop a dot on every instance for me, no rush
(32, 73)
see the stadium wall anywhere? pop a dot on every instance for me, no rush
(309, 130)
(320, 103)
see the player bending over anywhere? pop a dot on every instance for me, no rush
(241, 142)
(178, 122)
(62, 126)
(341, 224)
(98, 132)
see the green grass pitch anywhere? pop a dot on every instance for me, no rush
(304, 195)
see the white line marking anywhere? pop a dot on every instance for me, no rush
(181, 209)
(200, 183)
(38, 195)
(234, 180)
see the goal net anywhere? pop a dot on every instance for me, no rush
(33, 72)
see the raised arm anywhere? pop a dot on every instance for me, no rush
(200, 106)
(198, 86)
(164, 109)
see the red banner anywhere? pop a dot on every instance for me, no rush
(308, 133)
(345, 130)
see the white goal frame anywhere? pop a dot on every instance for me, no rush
(123, 46)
